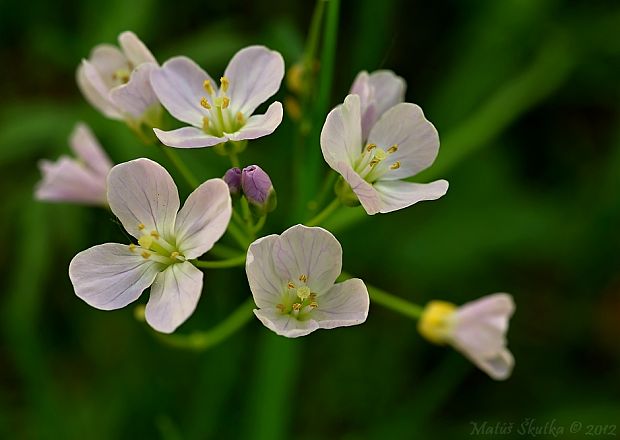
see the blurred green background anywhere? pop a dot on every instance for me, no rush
(525, 95)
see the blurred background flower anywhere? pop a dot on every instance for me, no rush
(525, 96)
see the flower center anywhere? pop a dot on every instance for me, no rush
(298, 300)
(373, 163)
(121, 76)
(152, 246)
(437, 321)
(219, 117)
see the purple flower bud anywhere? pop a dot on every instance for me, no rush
(233, 179)
(258, 189)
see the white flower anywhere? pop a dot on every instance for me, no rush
(292, 279)
(378, 92)
(144, 197)
(116, 81)
(476, 329)
(217, 115)
(400, 144)
(81, 180)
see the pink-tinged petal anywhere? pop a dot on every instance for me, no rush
(93, 94)
(134, 49)
(266, 284)
(179, 86)
(397, 195)
(313, 252)
(255, 74)
(188, 137)
(69, 181)
(260, 125)
(481, 325)
(498, 366)
(345, 304)
(417, 140)
(174, 296)
(341, 136)
(107, 60)
(365, 192)
(361, 87)
(110, 276)
(137, 96)
(285, 325)
(86, 146)
(203, 219)
(388, 90)
(141, 192)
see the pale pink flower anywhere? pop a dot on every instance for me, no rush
(292, 278)
(144, 197)
(116, 81)
(477, 329)
(400, 145)
(79, 180)
(225, 113)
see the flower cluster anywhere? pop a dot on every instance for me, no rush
(374, 140)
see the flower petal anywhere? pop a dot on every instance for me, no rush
(498, 366)
(481, 325)
(134, 49)
(109, 276)
(96, 98)
(179, 86)
(388, 90)
(266, 284)
(137, 96)
(404, 125)
(260, 125)
(85, 145)
(365, 192)
(188, 137)
(203, 219)
(285, 325)
(174, 296)
(313, 252)
(107, 60)
(345, 304)
(341, 136)
(141, 192)
(397, 195)
(69, 181)
(255, 74)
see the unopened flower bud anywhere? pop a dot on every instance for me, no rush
(233, 179)
(258, 189)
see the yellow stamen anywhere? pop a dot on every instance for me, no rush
(291, 285)
(240, 118)
(205, 103)
(395, 165)
(303, 278)
(208, 87)
(314, 305)
(224, 83)
(141, 226)
(174, 254)
(296, 306)
(146, 241)
(225, 102)
(145, 255)
(393, 149)
(155, 234)
(132, 247)
(370, 147)
(280, 307)
(205, 123)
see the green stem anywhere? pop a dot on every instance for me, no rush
(390, 301)
(203, 340)
(321, 216)
(234, 159)
(220, 264)
(238, 235)
(181, 167)
(247, 216)
(222, 251)
(259, 224)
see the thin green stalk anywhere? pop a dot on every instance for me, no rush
(238, 235)
(220, 264)
(390, 301)
(222, 251)
(234, 159)
(327, 189)
(259, 224)
(189, 177)
(247, 216)
(321, 216)
(203, 340)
